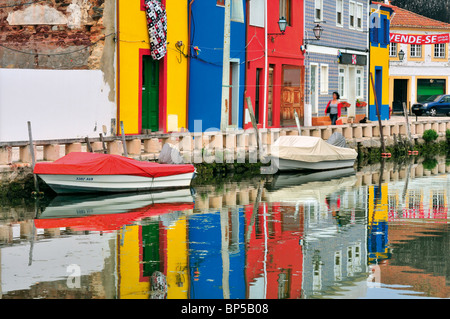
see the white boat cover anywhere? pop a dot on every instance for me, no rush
(309, 149)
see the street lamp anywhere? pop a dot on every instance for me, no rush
(282, 24)
(318, 31)
(401, 55)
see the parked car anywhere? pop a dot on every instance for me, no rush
(435, 104)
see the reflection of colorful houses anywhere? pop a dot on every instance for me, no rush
(285, 66)
(217, 255)
(274, 265)
(153, 247)
(151, 94)
(380, 16)
(206, 63)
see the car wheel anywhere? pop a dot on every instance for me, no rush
(433, 111)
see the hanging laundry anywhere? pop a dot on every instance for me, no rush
(157, 28)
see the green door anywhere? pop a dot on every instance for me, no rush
(150, 93)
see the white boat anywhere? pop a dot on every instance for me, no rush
(90, 173)
(309, 153)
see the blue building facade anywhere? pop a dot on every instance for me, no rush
(338, 61)
(206, 64)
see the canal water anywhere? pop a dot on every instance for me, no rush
(376, 232)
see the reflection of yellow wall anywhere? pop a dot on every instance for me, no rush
(177, 261)
(129, 265)
(379, 212)
(133, 36)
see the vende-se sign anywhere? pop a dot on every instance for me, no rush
(419, 38)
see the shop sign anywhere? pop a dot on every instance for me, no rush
(419, 38)
(354, 59)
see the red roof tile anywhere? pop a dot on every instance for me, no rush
(405, 18)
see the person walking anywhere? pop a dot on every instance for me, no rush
(334, 108)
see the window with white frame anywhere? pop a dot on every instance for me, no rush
(359, 82)
(340, 13)
(393, 50)
(324, 78)
(318, 10)
(341, 82)
(439, 50)
(359, 16)
(351, 14)
(415, 51)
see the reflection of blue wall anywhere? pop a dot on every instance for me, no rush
(205, 77)
(206, 257)
(377, 242)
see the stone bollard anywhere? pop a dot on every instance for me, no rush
(316, 132)
(326, 133)
(97, 147)
(51, 152)
(115, 147)
(357, 131)
(152, 145)
(72, 147)
(25, 155)
(367, 130)
(134, 146)
(5, 155)
(347, 132)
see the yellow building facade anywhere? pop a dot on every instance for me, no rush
(379, 62)
(151, 95)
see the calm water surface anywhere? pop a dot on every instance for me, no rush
(342, 235)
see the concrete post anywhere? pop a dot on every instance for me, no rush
(72, 147)
(152, 145)
(134, 146)
(5, 155)
(51, 152)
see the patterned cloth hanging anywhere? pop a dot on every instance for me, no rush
(157, 28)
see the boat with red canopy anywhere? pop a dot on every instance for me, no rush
(92, 172)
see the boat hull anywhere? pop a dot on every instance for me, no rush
(290, 165)
(68, 184)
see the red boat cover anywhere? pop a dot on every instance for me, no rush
(84, 163)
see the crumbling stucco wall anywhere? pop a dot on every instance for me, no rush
(57, 34)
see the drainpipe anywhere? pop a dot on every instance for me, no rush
(266, 66)
(226, 69)
(118, 68)
(188, 67)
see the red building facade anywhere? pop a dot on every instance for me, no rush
(275, 83)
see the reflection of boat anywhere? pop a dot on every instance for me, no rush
(310, 191)
(110, 212)
(91, 172)
(286, 180)
(310, 153)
